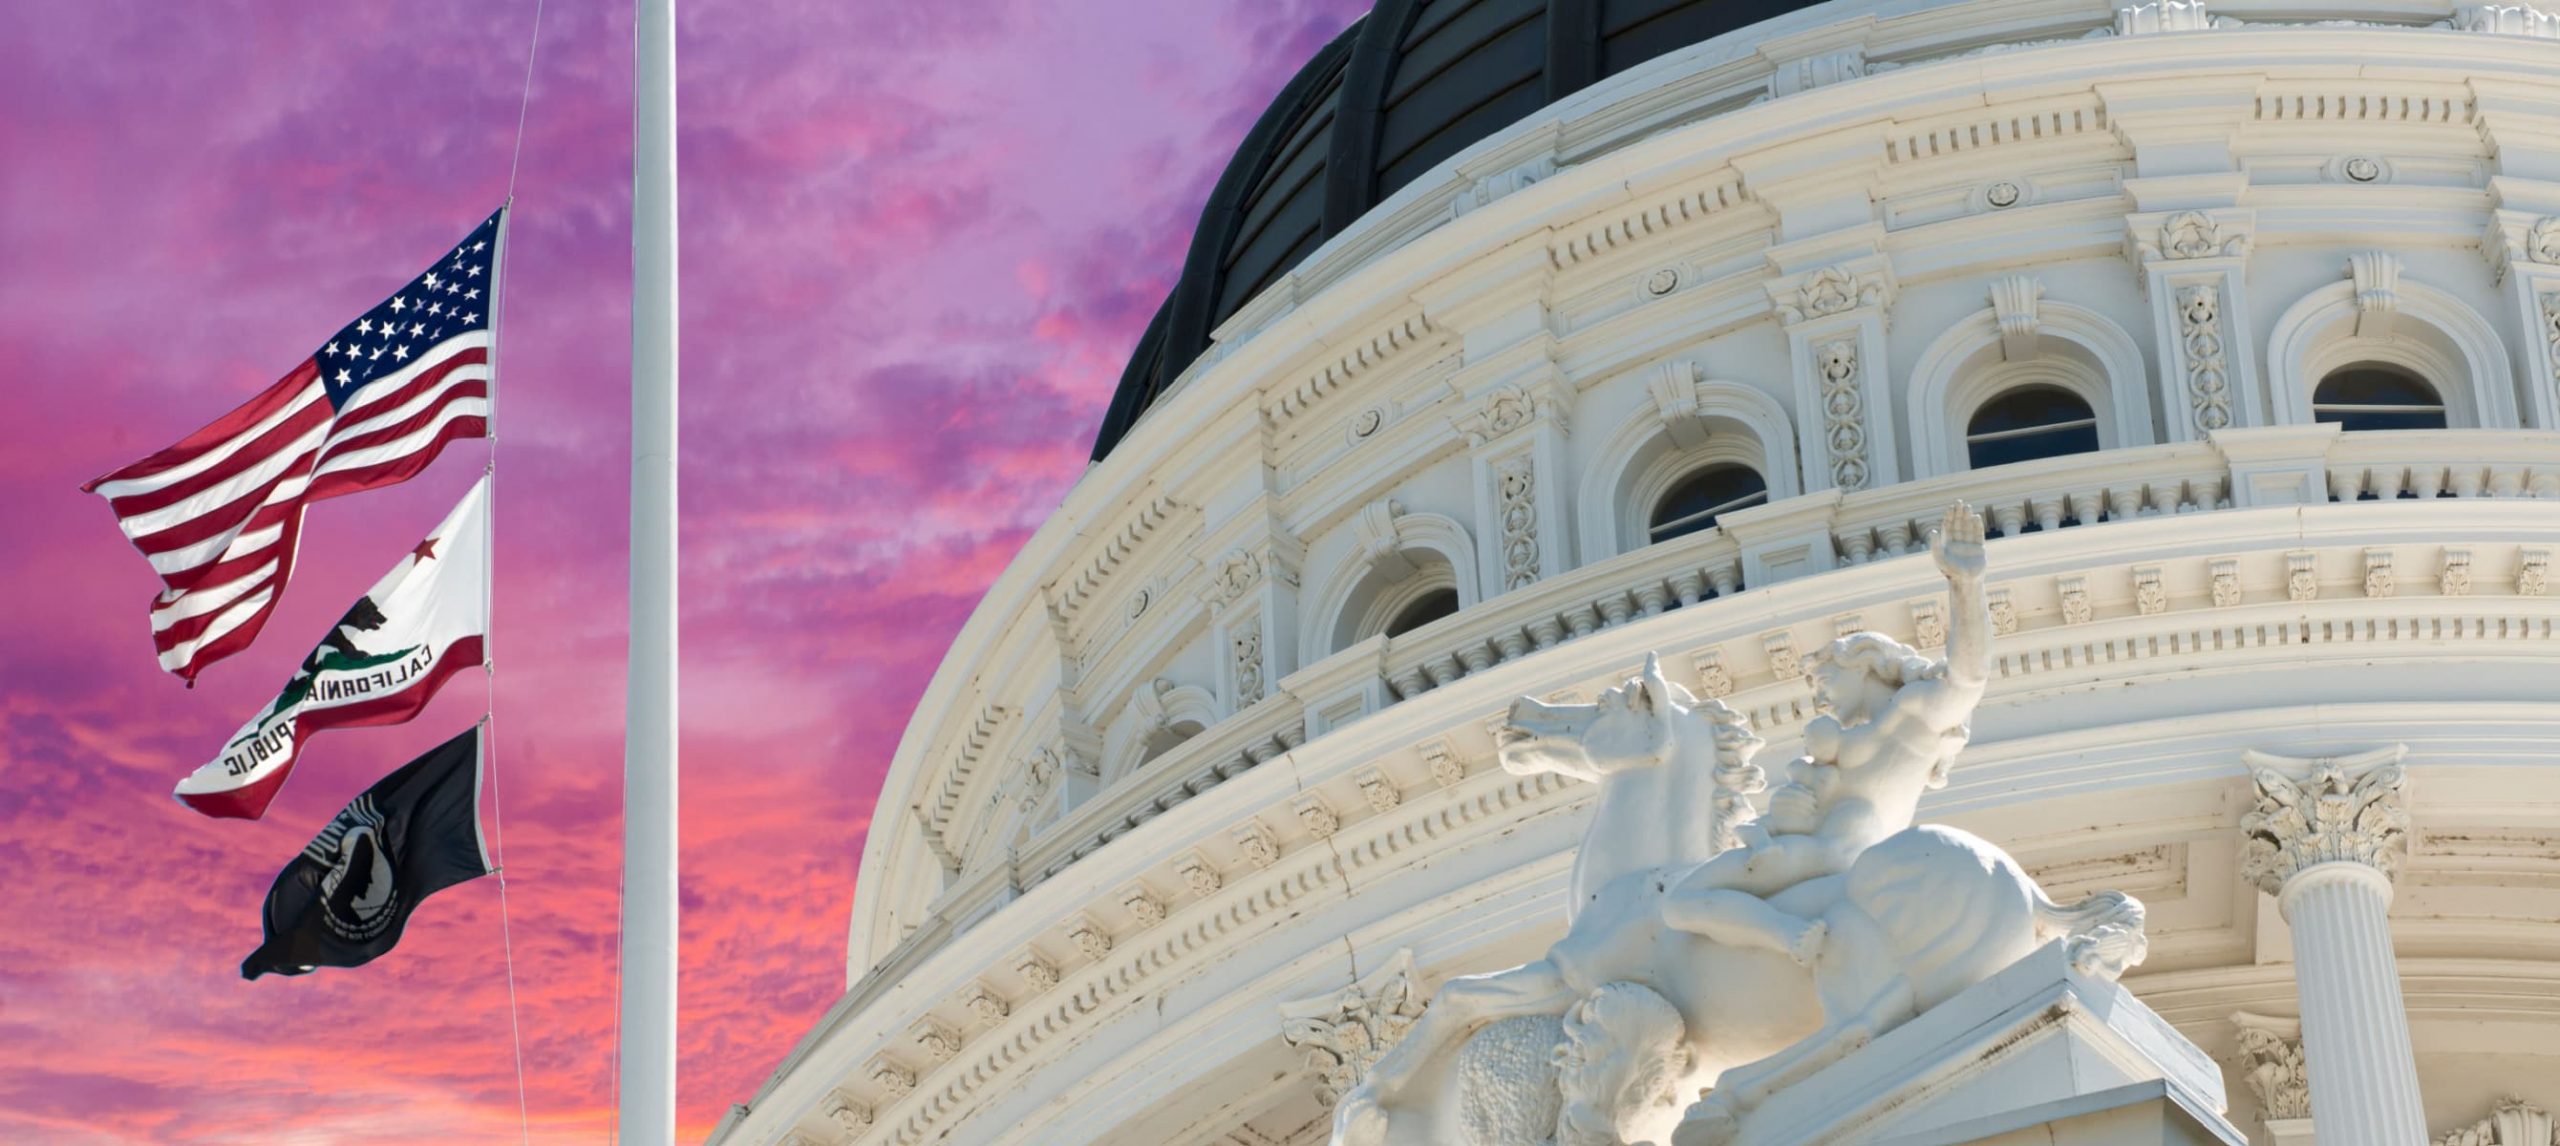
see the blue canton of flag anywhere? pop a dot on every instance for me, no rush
(451, 298)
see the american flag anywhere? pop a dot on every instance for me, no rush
(219, 514)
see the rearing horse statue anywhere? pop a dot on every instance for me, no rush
(1831, 922)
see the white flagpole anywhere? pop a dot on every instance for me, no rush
(648, 1116)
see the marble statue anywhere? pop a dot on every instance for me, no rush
(1709, 950)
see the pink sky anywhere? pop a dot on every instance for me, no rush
(919, 241)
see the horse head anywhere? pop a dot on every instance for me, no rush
(1632, 726)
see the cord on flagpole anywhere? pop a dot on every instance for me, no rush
(489, 582)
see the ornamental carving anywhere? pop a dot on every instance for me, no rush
(2208, 374)
(1713, 678)
(1343, 1034)
(1246, 642)
(1317, 816)
(1929, 625)
(2337, 813)
(2454, 580)
(1198, 874)
(1143, 906)
(1446, 769)
(850, 1114)
(2076, 609)
(2196, 235)
(1036, 971)
(2542, 240)
(937, 1040)
(2004, 613)
(2301, 576)
(2551, 330)
(1380, 792)
(2507, 20)
(1089, 937)
(2013, 305)
(1515, 502)
(2533, 572)
(1237, 573)
(892, 1077)
(1844, 413)
(2378, 580)
(2150, 595)
(2226, 582)
(987, 1005)
(2514, 1122)
(1829, 291)
(1259, 846)
(1785, 663)
(2271, 1059)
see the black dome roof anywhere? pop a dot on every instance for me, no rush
(1411, 84)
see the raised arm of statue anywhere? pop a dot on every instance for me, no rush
(1950, 697)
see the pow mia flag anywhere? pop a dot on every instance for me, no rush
(345, 899)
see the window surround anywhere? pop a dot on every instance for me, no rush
(1652, 449)
(2076, 349)
(1396, 555)
(2433, 335)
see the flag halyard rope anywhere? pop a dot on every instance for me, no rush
(489, 672)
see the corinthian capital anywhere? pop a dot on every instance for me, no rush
(2352, 808)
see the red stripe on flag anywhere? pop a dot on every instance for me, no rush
(221, 429)
(262, 448)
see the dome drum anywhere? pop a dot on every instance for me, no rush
(2242, 348)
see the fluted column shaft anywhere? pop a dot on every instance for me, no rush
(2355, 1027)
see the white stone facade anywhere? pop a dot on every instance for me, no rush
(1174, 794)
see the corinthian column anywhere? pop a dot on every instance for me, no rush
(2327, 846)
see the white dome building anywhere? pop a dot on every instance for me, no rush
(1526, 338)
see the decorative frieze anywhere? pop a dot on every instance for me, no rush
(1515, 502)
(1447, 770)
(1198, 874)
(1089, 937)
(2301, 576)
(1235, 575)
(1142, 905)
(850, 1114)
(1380, 792)
(2514, 1122)
(1344, 1033)
(2207, 374)
(2354, 810)
(1036, 972)
(1259, 847)
(892, 1077)
(2507, 20)
(935, 1038)
(1844, 413)
(2225, 572)
(1831, 290)
(2454, 578)
(2378, 581)
(1714, 680)
(2533, 571)
(989, 1007)
(1784, 662)
(2004, 612)
(1928, 624)
(2271, 1061)
(2150, 594)
(1316, 815)
(1245, 642)
(2074, 594)
(2193, 234)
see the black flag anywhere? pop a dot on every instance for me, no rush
(344, 900)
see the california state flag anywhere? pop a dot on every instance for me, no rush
(424, 621)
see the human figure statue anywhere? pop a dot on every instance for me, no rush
(1892, 722)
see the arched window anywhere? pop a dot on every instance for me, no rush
(2376, 396)
(2027, 423)
(1423, 610)
(1697, 500)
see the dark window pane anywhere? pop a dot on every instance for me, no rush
(2026, 408)
(2372, 396)
(1701, 497)
(2027, 447)
(2028, 423)
(1423, 610)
